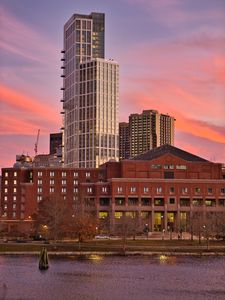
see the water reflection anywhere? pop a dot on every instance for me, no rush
(111, 278)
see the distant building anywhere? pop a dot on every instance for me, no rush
(146, 131)
(124, 140)
(55, 143)
(161, 188)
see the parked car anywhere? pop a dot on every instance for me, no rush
(102, 237)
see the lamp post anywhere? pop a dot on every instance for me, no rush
(206, 236)
(162, 227)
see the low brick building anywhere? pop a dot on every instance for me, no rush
(160, 189)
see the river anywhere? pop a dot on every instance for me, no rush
(112, 278)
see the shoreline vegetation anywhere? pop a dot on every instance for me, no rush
(116, 247)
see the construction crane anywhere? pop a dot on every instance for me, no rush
(36, 144)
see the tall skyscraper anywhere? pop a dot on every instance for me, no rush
(90, 94)
(145, 131)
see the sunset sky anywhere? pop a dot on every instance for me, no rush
(171, 55)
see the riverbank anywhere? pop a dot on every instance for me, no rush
(116, 247)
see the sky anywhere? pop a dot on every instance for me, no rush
(171, 55)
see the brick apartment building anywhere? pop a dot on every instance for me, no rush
(160, 189)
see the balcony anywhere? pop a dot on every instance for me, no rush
(62, 100)
(62, 51)
(62, 89)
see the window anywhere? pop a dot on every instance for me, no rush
(156, 166)
(184, 202)
(6, 190)
(118, 214)
(63, 190)
(52, 174)
(39, 181)
(221, 202)
(159, 201)
(103, 214)
(222, 191)
(39, 198)
(14, 198)
(145, 201)
(75, 182)
(75, 190)
(63, 182)
(5, 206)
(15, 174)
(184, 190)
(181, 167)
(14, 181)
(210, 190)
(146, 189)
(119, 189)
(130, 214)
(6, 174)
(14, 206)
(14, 190)
(89, 189)
(63, 174)
(104, 201)
(22, 215)
(39, 174)
(5, 198)
(119, 201)
(14, 214)
(104, 189)
(210, 202)
(75, 174)
(159, 190)
(171, 167)
(52, 182)
(133, 189)
(171, 200)
(168, 175)
(52, 190)
(132, 201)
(88, 174)
(197, 202)
(6, 182)
(197, 190)
(172, 190)
(39, 190)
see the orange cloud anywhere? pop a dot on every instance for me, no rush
(22, 113)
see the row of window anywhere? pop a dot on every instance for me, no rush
(171, 167)
(14, 215)
(63, 174)
(159, 190)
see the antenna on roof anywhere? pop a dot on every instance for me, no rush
(36, 144)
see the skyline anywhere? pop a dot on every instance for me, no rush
(172, 60)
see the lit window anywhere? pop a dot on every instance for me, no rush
(14, 206)
(88, 174)
(63, 182)
(75, 190)
(5, 198)
(6, 182)
(5, 206)
(63, 174)
(118, 214)
(184, 190)
(104, 189)
(14, 198)
(39, 190)
(63, 190)
(39, 174)
(103, 214)
(146, 189)
(39, 198)
(171, 167)
(52, 181)
(159, 190)
(75, 182)
(52, 174)
(133, 189)
(6, 190)
(52, 190)
(6, 174)
(197, 190)
(89, 189)
(15, 174)
(14, 190)
(14, 181)
(119, 189)
(39, 181)
(14, 214)
(181, 167)
(156, 166)
(75, 174)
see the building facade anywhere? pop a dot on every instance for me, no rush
(90, 91)
(160, 189)
(147, 130)
(55, 143)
